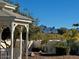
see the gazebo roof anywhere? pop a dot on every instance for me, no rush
(2, 1)
(6, 10)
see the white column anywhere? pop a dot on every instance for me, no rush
(12, 38)
(0, 38)
(0, 35)
(27, 33)
(12, 34)
(21, 42)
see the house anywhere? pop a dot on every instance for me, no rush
(50, 48)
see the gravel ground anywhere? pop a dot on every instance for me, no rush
(37, 56)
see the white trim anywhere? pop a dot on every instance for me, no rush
(27, 34)
(21, 42)
(20, 24)
(12, 34)
(23, 20)
(9, 7)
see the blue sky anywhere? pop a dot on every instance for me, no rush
(58, 13)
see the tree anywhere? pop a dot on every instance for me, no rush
(70, 39)
(76, 25)
(33, 30)
(62, 30)
(38, 36)
(17, 8)
(43, 28)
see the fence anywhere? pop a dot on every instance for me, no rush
(5, 53)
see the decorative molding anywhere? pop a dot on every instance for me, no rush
(20, 20)
(6, 6)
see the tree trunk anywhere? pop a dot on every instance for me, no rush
(68, 51)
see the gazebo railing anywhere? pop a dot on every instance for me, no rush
(5, 53)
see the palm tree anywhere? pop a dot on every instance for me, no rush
(76, 25)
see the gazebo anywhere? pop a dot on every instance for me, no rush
(11, 20)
